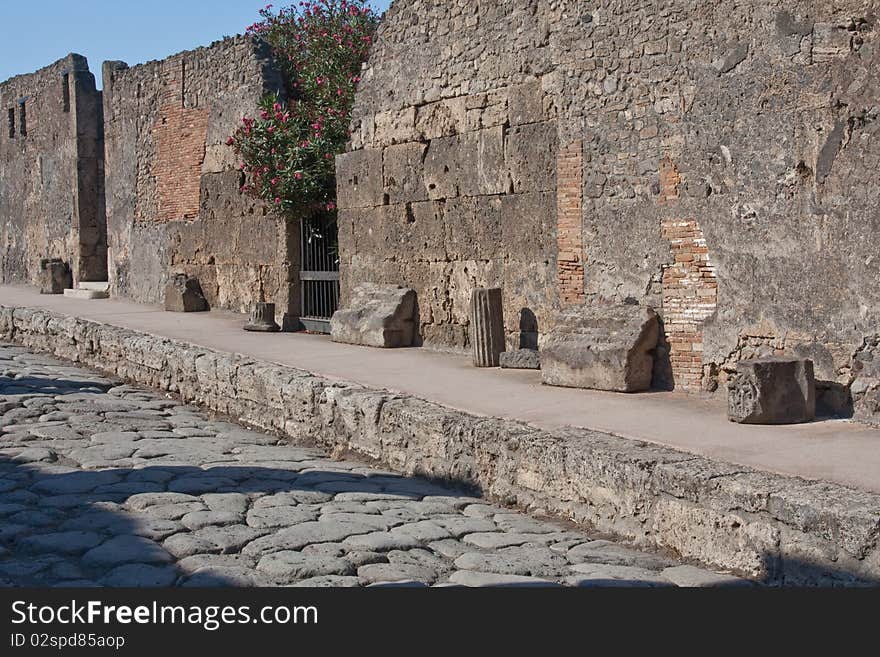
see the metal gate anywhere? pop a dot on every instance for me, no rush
(320, 272)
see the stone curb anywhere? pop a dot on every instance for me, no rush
(780, 529)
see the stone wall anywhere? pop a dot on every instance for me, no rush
(174, 204)
(51, 173)
(728, 154)
(779, 529)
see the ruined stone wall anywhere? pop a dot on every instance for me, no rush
(51, 173)
(174, 204)
(728, 173)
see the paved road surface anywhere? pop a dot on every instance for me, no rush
(113, 485)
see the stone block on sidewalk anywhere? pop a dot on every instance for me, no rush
(521, 359)
(183, 294)
(55, 276)
(601, 348)
(380, 316)
(772, 391)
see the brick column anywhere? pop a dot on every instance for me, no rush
(569, 227)
(181, 136)
(690, 296)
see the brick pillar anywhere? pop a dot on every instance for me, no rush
(569, 227)
(181, 136)
(690, 296)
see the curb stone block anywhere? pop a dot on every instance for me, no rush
(776, 528)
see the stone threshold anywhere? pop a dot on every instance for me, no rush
(775, 528)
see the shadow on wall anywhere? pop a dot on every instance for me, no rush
(833, 400)
(418, 340)
(663, 378)
(784, 571)
(528, 329)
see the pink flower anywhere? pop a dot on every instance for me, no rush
(264, 115)
(298, 175)
(274, 182)
(277, 201)
(230, 141)
(331, 207)
(277, 107)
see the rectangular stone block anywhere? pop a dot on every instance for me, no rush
(402, 175)
(471, 164)
(521, 359)
(359, 179)
(531, 157)
(528, 225)
(55, 276)
(526, 103)
(473, 228)
(395, 127)
(442, 119)
(377, 316)
(602, 348)
(486, 172)
(772, 391)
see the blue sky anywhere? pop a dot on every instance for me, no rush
(34, 34)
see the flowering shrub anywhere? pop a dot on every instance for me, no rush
(288, 149)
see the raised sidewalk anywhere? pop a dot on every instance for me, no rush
(786, 504)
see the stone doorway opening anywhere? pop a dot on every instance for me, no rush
(319, 273)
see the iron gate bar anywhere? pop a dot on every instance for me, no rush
(319, 277)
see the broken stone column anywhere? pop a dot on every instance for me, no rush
(487, 327)
(772, 391)
(55, 276)
(601, 348)
(380, 316)
(263, 319)
(183, 294)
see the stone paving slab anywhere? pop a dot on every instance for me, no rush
(775, 528)
(222, 514)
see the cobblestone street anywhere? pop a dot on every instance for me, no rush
(113, 485)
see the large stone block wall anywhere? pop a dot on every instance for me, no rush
(51, 173)
(749, 126)
(173, 185)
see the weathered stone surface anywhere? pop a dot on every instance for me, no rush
(692, 577)
(602, 348)
(377, 316)
(263, 319)
(521, 359)
(615, 188)
(477, 579)
(183, 294)
(172, 183)
(291, 566)
(600, 575)
(728, 516)
(50, 210)
(140, 576)
(126, 549)
(772, 391)
(61, 542)
(55, 276)
(487, 327)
